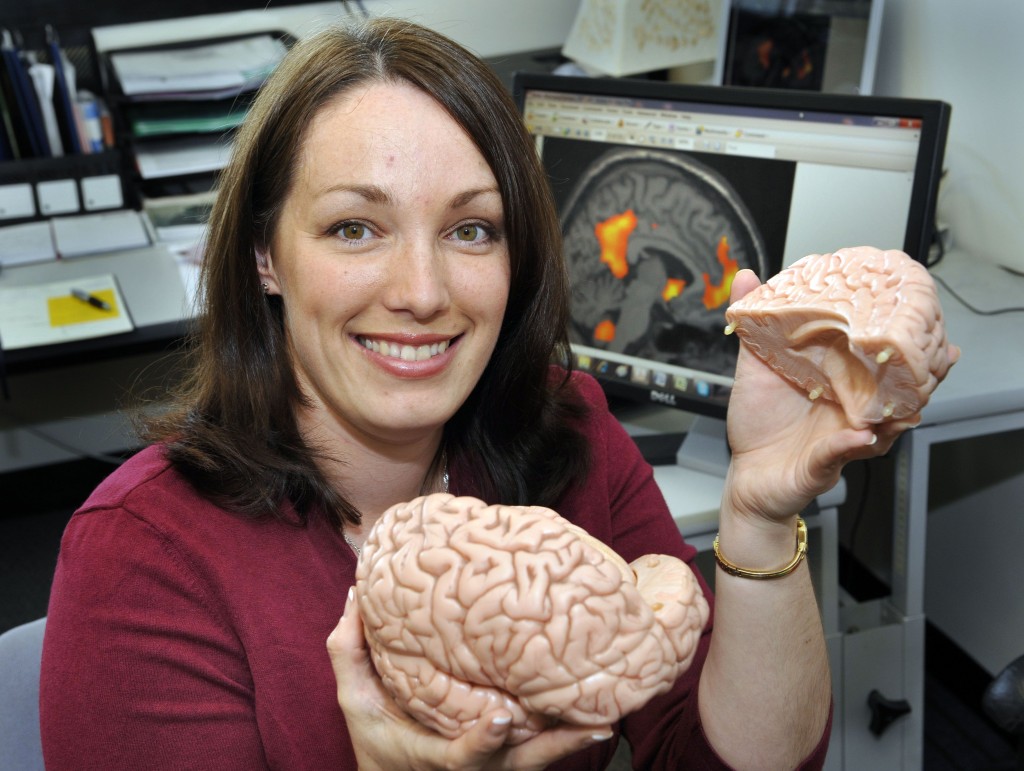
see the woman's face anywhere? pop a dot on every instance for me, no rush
(391, 262)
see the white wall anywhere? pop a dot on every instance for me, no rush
(970, 55)
(489, 27)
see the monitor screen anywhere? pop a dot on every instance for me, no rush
(665, 191)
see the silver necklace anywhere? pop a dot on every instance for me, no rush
(352, 544)
(357, 549)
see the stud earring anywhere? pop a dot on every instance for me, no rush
(266, 289)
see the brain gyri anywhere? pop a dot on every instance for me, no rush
(468, 607)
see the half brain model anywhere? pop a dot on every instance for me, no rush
(862, 327)
(468, 607)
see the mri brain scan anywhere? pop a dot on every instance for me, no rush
(652, 241)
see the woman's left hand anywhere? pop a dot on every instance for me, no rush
(786, 448)
(385, 737)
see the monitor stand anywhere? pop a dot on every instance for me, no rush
(692, 486)
(705, 447)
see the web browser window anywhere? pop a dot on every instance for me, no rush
(852, 175)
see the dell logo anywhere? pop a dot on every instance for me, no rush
(658, 396)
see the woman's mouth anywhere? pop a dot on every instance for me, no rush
(403, 351)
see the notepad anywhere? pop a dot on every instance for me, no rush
(25, 243)
(44, 314)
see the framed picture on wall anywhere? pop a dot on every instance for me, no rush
(813, 45)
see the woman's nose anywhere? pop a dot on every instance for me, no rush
(418, 283)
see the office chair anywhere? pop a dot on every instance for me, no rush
(1003, 702)
(21, 650)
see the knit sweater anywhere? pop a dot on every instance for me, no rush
(183, 636)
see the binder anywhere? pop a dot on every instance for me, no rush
(24, 98)
(13, 117)
(62, 95)
(42, 77)
(8, 139)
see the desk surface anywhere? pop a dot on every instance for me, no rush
(989, 378)
(151, 284)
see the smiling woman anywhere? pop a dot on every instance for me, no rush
(384, 316)
(390, 260)
(340, 201)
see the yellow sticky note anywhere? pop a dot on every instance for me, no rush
(66, 309)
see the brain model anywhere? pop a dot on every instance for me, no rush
(862, 327)
(468, 607)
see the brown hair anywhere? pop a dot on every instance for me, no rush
(234, 432)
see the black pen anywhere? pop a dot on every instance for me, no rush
(93, 300)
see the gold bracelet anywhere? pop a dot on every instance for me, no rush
(736, 570)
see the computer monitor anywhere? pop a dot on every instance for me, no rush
(666, 190)
(805, 44)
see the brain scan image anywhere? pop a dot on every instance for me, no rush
(652, 242)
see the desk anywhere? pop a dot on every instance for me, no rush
(150, 282)
(72, 392)
(883, 643)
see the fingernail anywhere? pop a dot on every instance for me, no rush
(501, 720)
(874, 439)
(602, 737)
(348, 599)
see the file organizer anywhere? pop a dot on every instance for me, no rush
(37, 186)
(172, 123)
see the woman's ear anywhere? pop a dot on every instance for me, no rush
(268, 277)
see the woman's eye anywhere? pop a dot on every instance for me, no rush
(353, 231)
(471, 233)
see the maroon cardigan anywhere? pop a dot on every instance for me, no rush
(182, 636)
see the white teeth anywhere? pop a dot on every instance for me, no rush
(404, 352)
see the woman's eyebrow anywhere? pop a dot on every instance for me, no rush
(372, 193)
(461, 199)
(379, 195)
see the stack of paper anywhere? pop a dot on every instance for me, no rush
(101, 232)
(179, 219)
(168, 118)
(184, 155)
(25, 243)
(72, 236)
(186, 100)
(208, 71)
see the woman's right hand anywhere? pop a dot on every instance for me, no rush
(385, 737)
